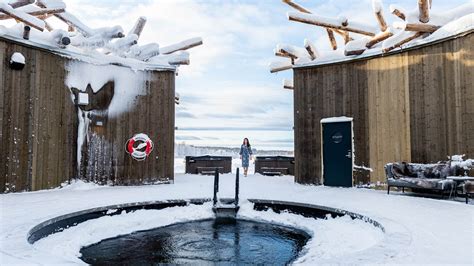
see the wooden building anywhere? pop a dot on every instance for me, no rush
(39, 124)
(86, 103)
(402, 91)
(413, 105)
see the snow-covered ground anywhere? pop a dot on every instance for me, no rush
(418, 230)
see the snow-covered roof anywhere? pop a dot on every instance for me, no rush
(107, 45)
(413, 29)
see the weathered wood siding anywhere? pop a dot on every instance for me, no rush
(39, 127)
(104, 158)
(417, 105)
(38, 122)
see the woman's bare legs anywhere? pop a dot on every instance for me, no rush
(245, 171)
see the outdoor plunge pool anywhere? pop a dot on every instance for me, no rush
(202, 242)
(208, 241)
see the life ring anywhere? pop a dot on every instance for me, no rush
(139, 146)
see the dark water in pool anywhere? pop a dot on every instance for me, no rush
(202, 242)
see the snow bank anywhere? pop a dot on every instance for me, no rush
(332, 237)
(67, 244)
(463, 24)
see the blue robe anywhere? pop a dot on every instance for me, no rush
(245, 152)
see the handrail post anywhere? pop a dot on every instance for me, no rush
(216, 186)
(237, 188)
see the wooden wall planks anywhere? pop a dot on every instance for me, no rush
(37, 115)
(39, 127)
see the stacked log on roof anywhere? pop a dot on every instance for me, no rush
(33, 14)
(358, 37)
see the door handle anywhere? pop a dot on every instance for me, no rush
(349, 154)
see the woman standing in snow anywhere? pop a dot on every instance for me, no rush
(245, 155)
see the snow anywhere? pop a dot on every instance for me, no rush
(393, 7)
(144, 52)
(463, 24)
(400, 25)
(56, 4)
(377, 6)
(363, 26)
(316, 18)
(297, 51)
(357, 44)
(288, 83)
(74, 238)
(363, 168)
(32, 8)
(120, 46)
(417, 230)
(280, 64)
(336, 119)
(135, 26)
(17, 58)
(397, 38)
(24, 16)
(172, 59)
(452, 14)
(128, 84)
(179, 46)
(453, 22)
(106, 45)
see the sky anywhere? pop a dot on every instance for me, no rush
(227, 92)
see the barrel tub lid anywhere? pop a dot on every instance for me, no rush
(209, 158)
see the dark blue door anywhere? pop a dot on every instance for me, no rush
(337, 153)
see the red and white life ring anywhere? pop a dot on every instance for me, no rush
(139, 146)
